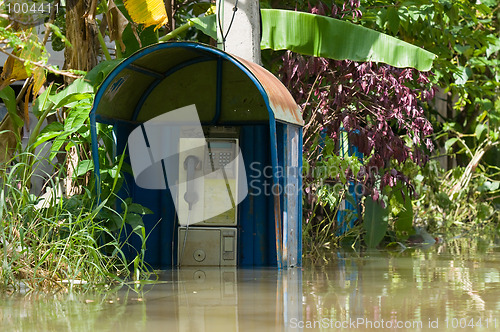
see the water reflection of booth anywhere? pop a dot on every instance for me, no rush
(229, 299)
(239, 104)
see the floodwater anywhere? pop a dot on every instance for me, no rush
(439, 288)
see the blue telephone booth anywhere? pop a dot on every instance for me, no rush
(248, 144)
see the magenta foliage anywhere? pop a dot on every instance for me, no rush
(375, 103)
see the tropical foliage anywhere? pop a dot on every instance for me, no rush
(375, 108)
(62, 236)
(459, 185)
(386, 146)
(55, 240)
(465, 36)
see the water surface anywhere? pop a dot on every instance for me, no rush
(440, 288)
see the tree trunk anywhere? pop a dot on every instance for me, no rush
(170, 9)
(81, 32)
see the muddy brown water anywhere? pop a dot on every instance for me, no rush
(420, 290)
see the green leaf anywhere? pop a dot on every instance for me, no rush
(76, 118)
(118, 167)
(41, 102)
(147, 36)
(480, 128)
(442, 199)
(463, 49)
(200, 8)
(493, 48)
(115, 222)
(78, 90)
(59, 34)
(404, 221)
(9, 98)
(323, 36)
(137, 209)
(206, 24)
(462, 76)
(489, 186)
(83, 167)
(483, 212)
(351, 199)
(57, 144)
(393, 20)
(52, 130)
(449, 143)
(99, 72)
(135, 221)
(494, 185)
(375, 222)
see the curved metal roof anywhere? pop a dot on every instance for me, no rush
(166, 76)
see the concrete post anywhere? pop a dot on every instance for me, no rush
(242, 37)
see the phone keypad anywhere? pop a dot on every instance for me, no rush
(220, 159)
(224, 158)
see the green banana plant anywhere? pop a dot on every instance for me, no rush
(322, 36)
(326, 37)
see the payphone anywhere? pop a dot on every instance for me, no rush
(208, 197)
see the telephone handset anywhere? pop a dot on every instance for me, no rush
(190, 164)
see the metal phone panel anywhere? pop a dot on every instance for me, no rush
(207, 246)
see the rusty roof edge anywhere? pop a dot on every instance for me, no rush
(281, 101)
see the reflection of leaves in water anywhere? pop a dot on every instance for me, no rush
(462, 277)
(449, 280)
(68, 312)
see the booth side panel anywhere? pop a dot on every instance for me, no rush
(257, 246)
(159, 225)
(246, 212)
(299, 200)
(293, 196)
(281, 133)
(290, 191)
(122, 131)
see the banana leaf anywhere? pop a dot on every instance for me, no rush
(322, 36)
(206, 24)
(375, 222)
(147, 12)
